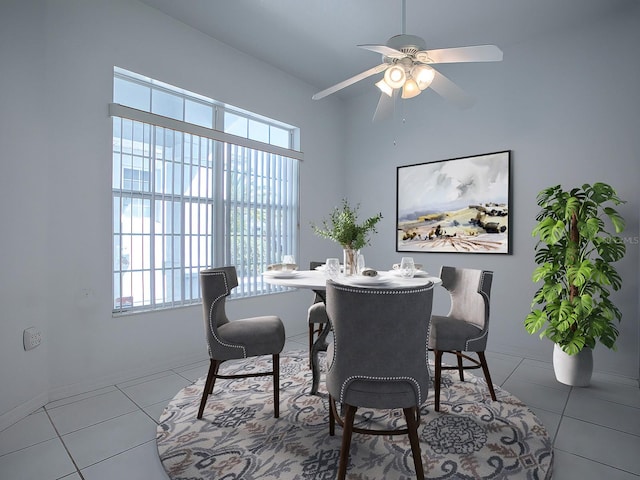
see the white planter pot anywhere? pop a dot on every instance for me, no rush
(574, 370)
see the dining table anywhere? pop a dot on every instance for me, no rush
(316, 280)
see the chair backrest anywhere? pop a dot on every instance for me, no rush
(380, 339)
(470, 292)
(312, 266)
(216, 285)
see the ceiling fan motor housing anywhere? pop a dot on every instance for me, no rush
(407, 44)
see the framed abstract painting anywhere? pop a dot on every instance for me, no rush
(460, 205)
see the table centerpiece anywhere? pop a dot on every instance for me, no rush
(342, 227)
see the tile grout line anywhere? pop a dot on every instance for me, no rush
(115, 455)
(73, 460)
(139, 406)
(89, 394)
(598, 462)
(591, 422)
(512, 371)
(562, 417)
(566, 414)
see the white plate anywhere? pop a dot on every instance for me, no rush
(280, 274)
(418, 273)
(361, 280)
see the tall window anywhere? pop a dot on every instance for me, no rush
(195, 184)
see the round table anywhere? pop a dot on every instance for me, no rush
(316, 280)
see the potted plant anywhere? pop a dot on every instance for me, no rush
(574, 253)
(343, 228)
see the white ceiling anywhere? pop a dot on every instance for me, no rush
(315, 40)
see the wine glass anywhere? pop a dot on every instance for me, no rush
(332, 268)
(407, 267)
(288, 262)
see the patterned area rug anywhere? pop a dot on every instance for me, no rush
(471, 437)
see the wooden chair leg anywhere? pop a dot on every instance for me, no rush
(436, 382)
(215, 372)
(276, 385)
(332, 418)
(460, 366)
(208, 385)
(412, 425)
(346, 441)
(487, 375)
(311, 335)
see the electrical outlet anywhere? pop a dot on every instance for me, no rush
(31, 338)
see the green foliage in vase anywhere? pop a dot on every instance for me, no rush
(574, 255)
(343, 227)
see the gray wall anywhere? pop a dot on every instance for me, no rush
(57, 64)
(565, 105)
(23, 148)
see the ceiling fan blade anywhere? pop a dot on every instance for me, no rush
(450, 91)
(384, 50)
(476, 53)
(386, 106)
(350, 81)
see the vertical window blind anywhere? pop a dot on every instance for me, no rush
(187, 198)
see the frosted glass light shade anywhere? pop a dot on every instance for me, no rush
(395, 76)
(382, 85)
(410, 89)
(423, 75)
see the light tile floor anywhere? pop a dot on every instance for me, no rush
(110, 433)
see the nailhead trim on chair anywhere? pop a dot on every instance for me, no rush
(385, 291)
(346, 383)
(466, 345)
(213, 330)
(428, 286)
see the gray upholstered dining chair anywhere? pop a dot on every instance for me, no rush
(229, 340)
(466, 327)
(378, 358)
(316, 317)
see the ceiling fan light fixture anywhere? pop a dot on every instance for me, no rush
(395, 76)
(423, 75)
(410, 89)
(423, 57)
(384, 87)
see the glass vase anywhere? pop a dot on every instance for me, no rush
(350, 261)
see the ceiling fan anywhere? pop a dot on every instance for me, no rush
(408, 70)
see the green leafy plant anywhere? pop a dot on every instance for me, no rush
(343, 227)
(574, 254)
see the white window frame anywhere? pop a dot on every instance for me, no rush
(251, 243)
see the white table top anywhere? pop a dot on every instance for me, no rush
(317, 280)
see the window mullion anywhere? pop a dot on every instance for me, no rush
(241, 248)
(152, 233)
(256, 215)
(173, 222)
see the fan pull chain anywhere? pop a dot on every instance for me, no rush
(397, 127)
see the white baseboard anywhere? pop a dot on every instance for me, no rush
(22, 410)
(89, 385)
(57, 393)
